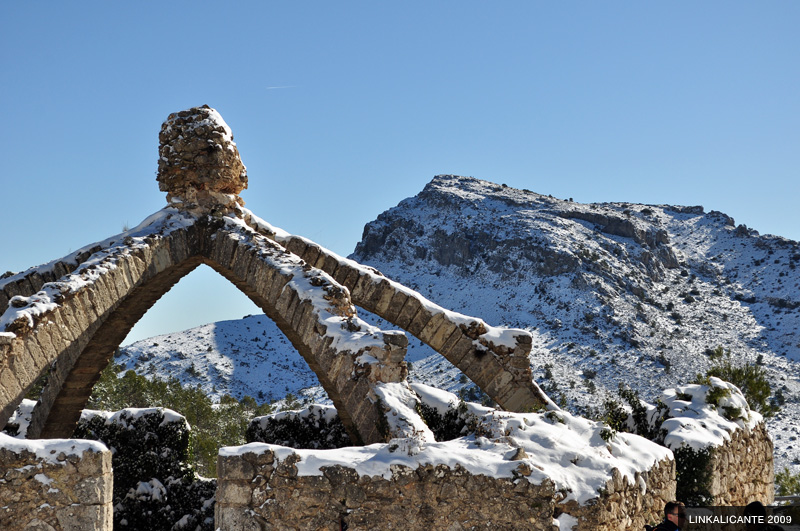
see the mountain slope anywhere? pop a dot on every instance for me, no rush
(613, 293)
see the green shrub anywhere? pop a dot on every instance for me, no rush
(155, 488)
(649, 428)
(693, 476)
(788, 484)
(750, 379)
(616, 416)
(213, 425)
(445, 427)
(308, 429)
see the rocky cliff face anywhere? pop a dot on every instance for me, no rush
(613, 292)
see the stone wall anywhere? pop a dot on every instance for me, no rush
(628, 505)
(257, 490)
(50, 487)
(742, 469)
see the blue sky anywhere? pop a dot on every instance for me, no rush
(342, 109)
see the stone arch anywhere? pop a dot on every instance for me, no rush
(120, 283)
(496, 359)
(66, 318)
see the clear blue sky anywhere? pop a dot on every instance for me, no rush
(342, 109)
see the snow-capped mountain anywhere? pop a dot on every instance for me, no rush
(612, 293)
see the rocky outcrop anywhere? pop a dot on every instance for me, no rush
(620, 226)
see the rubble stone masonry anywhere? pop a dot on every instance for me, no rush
(64, 492)
(742, 470)
(257, 491)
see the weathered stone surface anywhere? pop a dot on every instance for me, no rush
(430, 497)
(199, 165)
(625, 505)
(742, 469)
(67, 494)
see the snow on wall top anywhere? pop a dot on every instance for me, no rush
(566, 449)
(50, 449)
(699, 421)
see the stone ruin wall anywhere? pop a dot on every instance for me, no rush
(742, 470)
(256, 491)
(66, 492)
(628, 505)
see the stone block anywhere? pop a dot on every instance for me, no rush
(235, 468)
(287, 302)
(299, 247)
(375, 291)
(362, 289)
(399, 300)
(419, 322)
(278, 283)
(263, 278)
(443, 334)
(36, 281)
(330, 265)
(234, 492)
(12, 290)
(161, 259)
(343, 271)
(408, 312)
(29, 363)
(180, 246)
(320, 261)
(520, 399)
(241, 259)
(87, 518)
(382, 300)
(462, 347)
(235, 518)
(11, 388)
(224, 246)
(432, 326)
(500, 384)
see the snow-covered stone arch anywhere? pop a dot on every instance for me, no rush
(72, 326)
(66, 318)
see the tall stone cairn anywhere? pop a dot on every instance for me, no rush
(199, 166)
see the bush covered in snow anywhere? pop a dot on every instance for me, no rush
(315, 427)
(446, 425)
(155, 488)
(690, 420)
